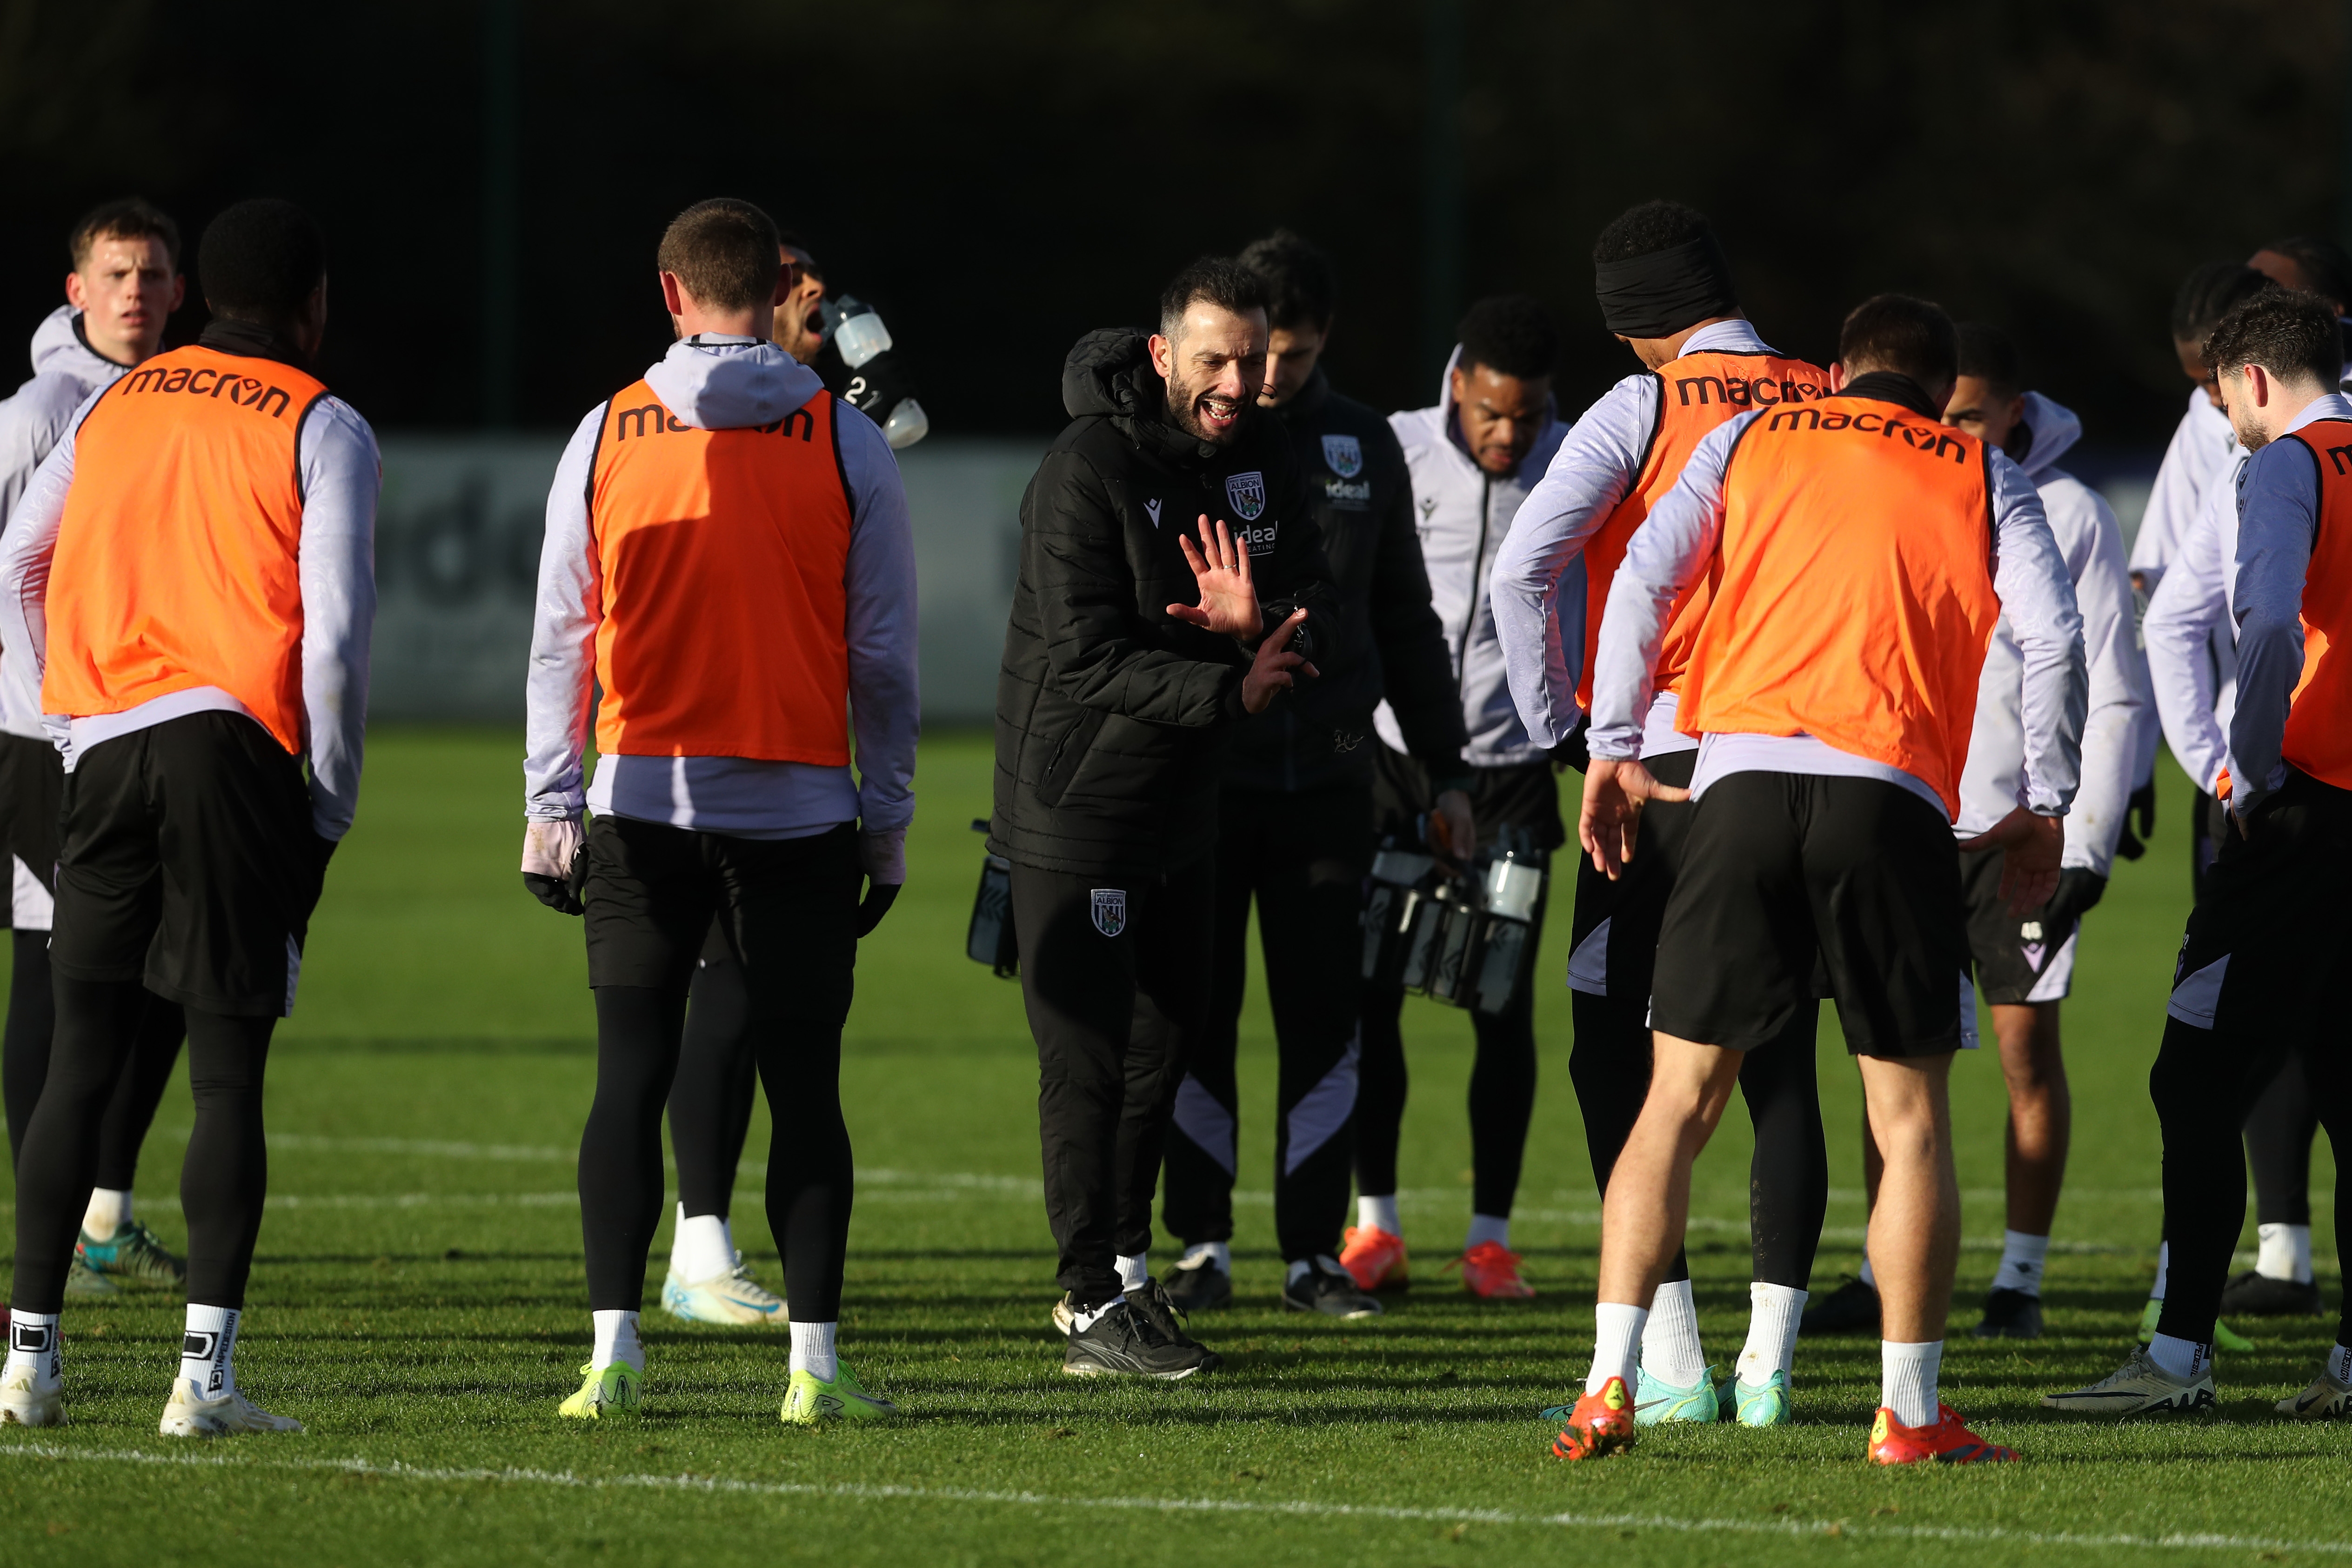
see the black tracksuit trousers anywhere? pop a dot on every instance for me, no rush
(2256, 982)
(1303, 856)
(1115, 975)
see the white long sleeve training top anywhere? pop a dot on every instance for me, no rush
(2091, 543)
(1673, 546)
(716, 383)
(341, 474)
(1539, 587)
(2191, 636)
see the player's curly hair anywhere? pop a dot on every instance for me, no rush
(1510, 334)
(2289, 332)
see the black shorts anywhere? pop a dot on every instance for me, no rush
(187, 864)
(2018, 959)
(32, 785)
(1615, 925)
(1783, 872)
(1525, 795)
(786, 908)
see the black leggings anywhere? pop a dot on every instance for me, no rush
(222, 1183)
(2279, 1134)
(1502, 1099)
(25, 1063)
(811, 1179)
(1788, 1175)
(717, 1078)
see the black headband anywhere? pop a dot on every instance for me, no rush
(1658, 295)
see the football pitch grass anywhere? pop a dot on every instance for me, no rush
(418, 1299)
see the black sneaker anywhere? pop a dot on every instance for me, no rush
(1327, 1289)
(1200, 1286)
(2010, 1314)
(1851, 1307)
(2253, 1295)
(1123, 1341)
(1169, 1316)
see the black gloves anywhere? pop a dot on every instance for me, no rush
(2079, 888)
(879, 896)
(2131, 845)
(1572, 752)
(562, 894)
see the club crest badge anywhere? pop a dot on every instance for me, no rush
(1247, 493)
(1345, 454)
(1111, 910)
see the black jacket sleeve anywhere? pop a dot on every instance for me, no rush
(1416, 670)
(1086, 609)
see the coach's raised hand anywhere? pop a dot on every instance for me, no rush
(1615, 790)
(1228, 592)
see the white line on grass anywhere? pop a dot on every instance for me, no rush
(1293, 1510)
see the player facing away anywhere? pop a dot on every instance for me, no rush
(1666, 291)
(1861, 552)
(2255, 980)
(123, 287)
(194, 566)
(1473, 458)
(728, 561)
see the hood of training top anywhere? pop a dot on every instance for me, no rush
(730, 384)
(1112, 717)
(1464, 514)
(2054, 433)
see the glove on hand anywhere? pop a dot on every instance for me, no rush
(2079, 888)
(555, 863)
(2129, 845)
(884, 858)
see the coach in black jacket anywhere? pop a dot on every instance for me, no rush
(1132, 654)
(1295, 825)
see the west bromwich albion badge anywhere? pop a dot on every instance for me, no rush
(1111, 910)
(1247, 493)
(1345, 454)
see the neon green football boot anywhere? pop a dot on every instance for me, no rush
(616, 1390)
(811, 1402)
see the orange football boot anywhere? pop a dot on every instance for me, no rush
(1600, 1424)
(1490, 1272)
(1947, 1442)
(1374, 1258)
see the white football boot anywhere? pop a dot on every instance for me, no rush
(35, 1395)
(2324, 1400)
(190, 1415)
(732, 1300)
(2139, 1387)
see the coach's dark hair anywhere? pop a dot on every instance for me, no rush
(1300, 289)
(1510, 334)
(2210, 292)
(1648, 229)
(2324, 264)
(1896, 333)
(1219, 279)
(725, 253)
(1988, 353)
(131, 217)
(259, 260)
(2290, 332)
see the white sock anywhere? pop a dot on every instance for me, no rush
(701, 1250)
(206, 1350)
(1134, 1272)
(2183, 1358)
(1773, 1313)
(2163, 1267)
(2286, 1253)
(1220, 1255)
(1670, 1349)
(2339, 1362)
(1868, 1278)
(617, 1340)
(1906, 1380)
(813, 1351)
(1488, 1228)
(1083, 1320)
(1616, 1344)
(34, 1341)
(110, 1211)
(1378, 1214)
(2022, 1260)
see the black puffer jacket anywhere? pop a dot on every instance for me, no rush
(1393, 643)
(1112, 717)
